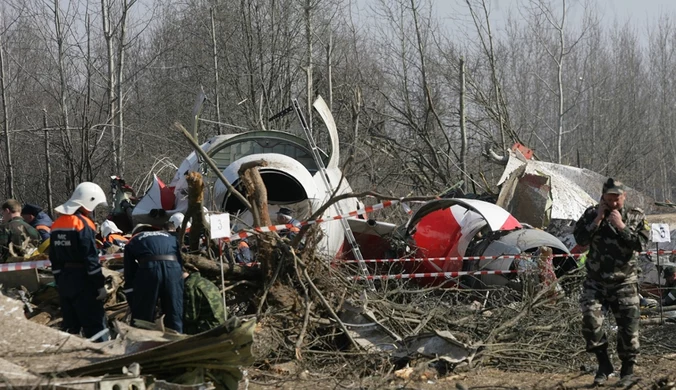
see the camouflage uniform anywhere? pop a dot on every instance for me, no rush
(17, 231)
(202, 305)
(612, 279)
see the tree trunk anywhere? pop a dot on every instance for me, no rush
(5, 122)
(48, 163)
(110, 87)
(308, 69)
(118, 86)
(216, 78)
(463, 128)
(257, 195)
(63, 102)
(329, 68)
(559, 79)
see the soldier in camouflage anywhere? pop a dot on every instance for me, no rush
(15, 231)
(202, 303)
(614, 234)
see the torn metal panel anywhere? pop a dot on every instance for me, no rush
(496, 217)
(572, 189)
(16, 375)
(440, 344)
(224, 348)
(530, 198)
(514, 243)
(43, 349)
(369, 333)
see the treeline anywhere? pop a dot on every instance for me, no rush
(90, 88)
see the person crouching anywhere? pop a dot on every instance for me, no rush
(153, 269)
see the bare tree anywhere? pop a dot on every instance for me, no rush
(5, 117)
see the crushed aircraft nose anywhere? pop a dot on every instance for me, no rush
(515, 242)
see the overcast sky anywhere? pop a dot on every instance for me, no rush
(639, 13)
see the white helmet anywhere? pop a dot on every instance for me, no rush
(87, 195)
(108, 227)
(177, 220)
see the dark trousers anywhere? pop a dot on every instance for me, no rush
(81, 311)
(163, 280)
(623, 302)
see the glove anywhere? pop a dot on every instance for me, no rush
(103, 294)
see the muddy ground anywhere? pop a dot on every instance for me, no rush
(654, 372)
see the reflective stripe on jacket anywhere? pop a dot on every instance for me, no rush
(73, 250)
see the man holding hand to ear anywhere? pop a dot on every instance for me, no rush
(614, 234)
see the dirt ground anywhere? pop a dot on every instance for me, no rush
(654, 373)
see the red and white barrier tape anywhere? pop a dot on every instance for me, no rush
(7, 267)
(450, 258)
(277, 228)
(24, 265)
(419, 259)
(435, 275)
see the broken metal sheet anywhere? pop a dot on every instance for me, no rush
(158, 197)
(224, 348)
(324, 111)
(531, 198)
(16, 375)
(369, 333)
(495, 216)
(572, 189)
(43, 349)
(133, 340)
(440, 344)
(515, 243)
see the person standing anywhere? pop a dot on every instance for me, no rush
(614, 234)
(16, 232)
(75, 263)
(153, 269)
(38, 219)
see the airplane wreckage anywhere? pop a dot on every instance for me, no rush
(536, 207)
(453, 242)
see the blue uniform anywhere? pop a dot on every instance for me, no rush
(43, 224)
(152, 271)
(77, 273)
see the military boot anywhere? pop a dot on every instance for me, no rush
(605, 368)
(627, 374)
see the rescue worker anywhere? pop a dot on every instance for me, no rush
(75, 263)
(285, 216)
(152, 271)
(614, 233)
(111, 236)
(17, 232)
(243, 254)
(174, 226)
(176, 221)
(669, 295)
(38, 219)
(202, 303)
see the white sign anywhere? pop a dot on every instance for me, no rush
(220, 225)
(659, 232)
